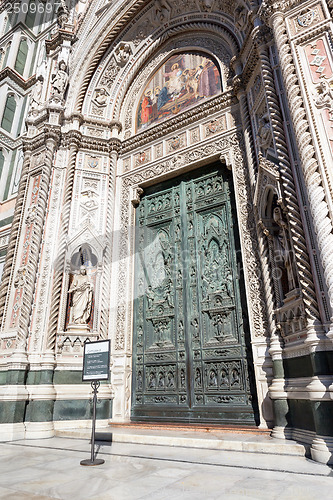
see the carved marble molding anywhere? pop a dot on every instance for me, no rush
(218, 27)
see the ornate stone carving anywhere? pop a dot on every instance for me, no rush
(20, 277)
(123, 53)
(324, 96)
(264, 134)
(59, 82)
(100, 97)
(160, 12)
(240, 17)
(206, 5)
(110, 73)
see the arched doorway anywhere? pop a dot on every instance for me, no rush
(191, 354)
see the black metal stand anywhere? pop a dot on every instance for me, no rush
(93, 460)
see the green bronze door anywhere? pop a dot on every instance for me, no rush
(191, 355)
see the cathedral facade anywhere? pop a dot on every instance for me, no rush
(167, 184)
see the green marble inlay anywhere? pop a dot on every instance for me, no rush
(323, 417)
(301, 414)
(39, 411)
(3, 378)
(81, 409)
(314, 364)
(68, 377)
(12, 412)
(16, 377)
(278, 368)
(281, 413)
(40, 377)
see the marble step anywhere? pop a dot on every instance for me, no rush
(213, 439)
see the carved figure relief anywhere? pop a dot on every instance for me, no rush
(160, 12)
(264, 134)
(240, 17)
(100, 97)
(123, 53)
(59, 81)
(36, 94)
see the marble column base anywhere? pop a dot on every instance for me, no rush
(12, 432)
(281, 433)
(322, 450)
(39, 430)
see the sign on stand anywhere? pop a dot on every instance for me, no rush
(96, 367)
(96, 361)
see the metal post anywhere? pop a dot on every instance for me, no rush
(93, 461)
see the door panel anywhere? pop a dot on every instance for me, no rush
(190, 355)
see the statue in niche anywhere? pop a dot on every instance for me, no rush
(36, 94)
(224, 377)
(160, 12)
(150, 297)
(170, 380)
(240, 17)
(228, 283)
(198, 377)
(152, 380)
(59, 81)
(264, 135)
(161, 380)
(168, 295)
(62, 17)
(81, 290)
(206, 5)
(282, 249)
(234, 377)
(212, 379)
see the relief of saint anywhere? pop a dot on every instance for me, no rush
(179, 83)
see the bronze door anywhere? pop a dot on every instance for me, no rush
(191, 354)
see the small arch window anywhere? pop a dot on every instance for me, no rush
(8, 113)
(2, 162)
(21, 57)
(30, 17)
(5, 59)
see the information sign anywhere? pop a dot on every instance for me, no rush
(96, 360)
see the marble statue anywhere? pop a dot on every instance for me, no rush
(82, 295)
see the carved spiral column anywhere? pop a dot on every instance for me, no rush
(295, 220)
(15, 229)
(106, 279)
(74, 139)
(245, 117)
(52, 137)
(316, 194)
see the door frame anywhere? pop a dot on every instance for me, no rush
(229, 148)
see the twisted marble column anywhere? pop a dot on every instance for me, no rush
(13, 238)
(294, 217)
(309, 163)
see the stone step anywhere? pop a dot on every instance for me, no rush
(256, 442)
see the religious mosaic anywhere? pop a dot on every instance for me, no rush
(182, 81)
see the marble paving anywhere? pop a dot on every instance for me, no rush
(50, 468)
